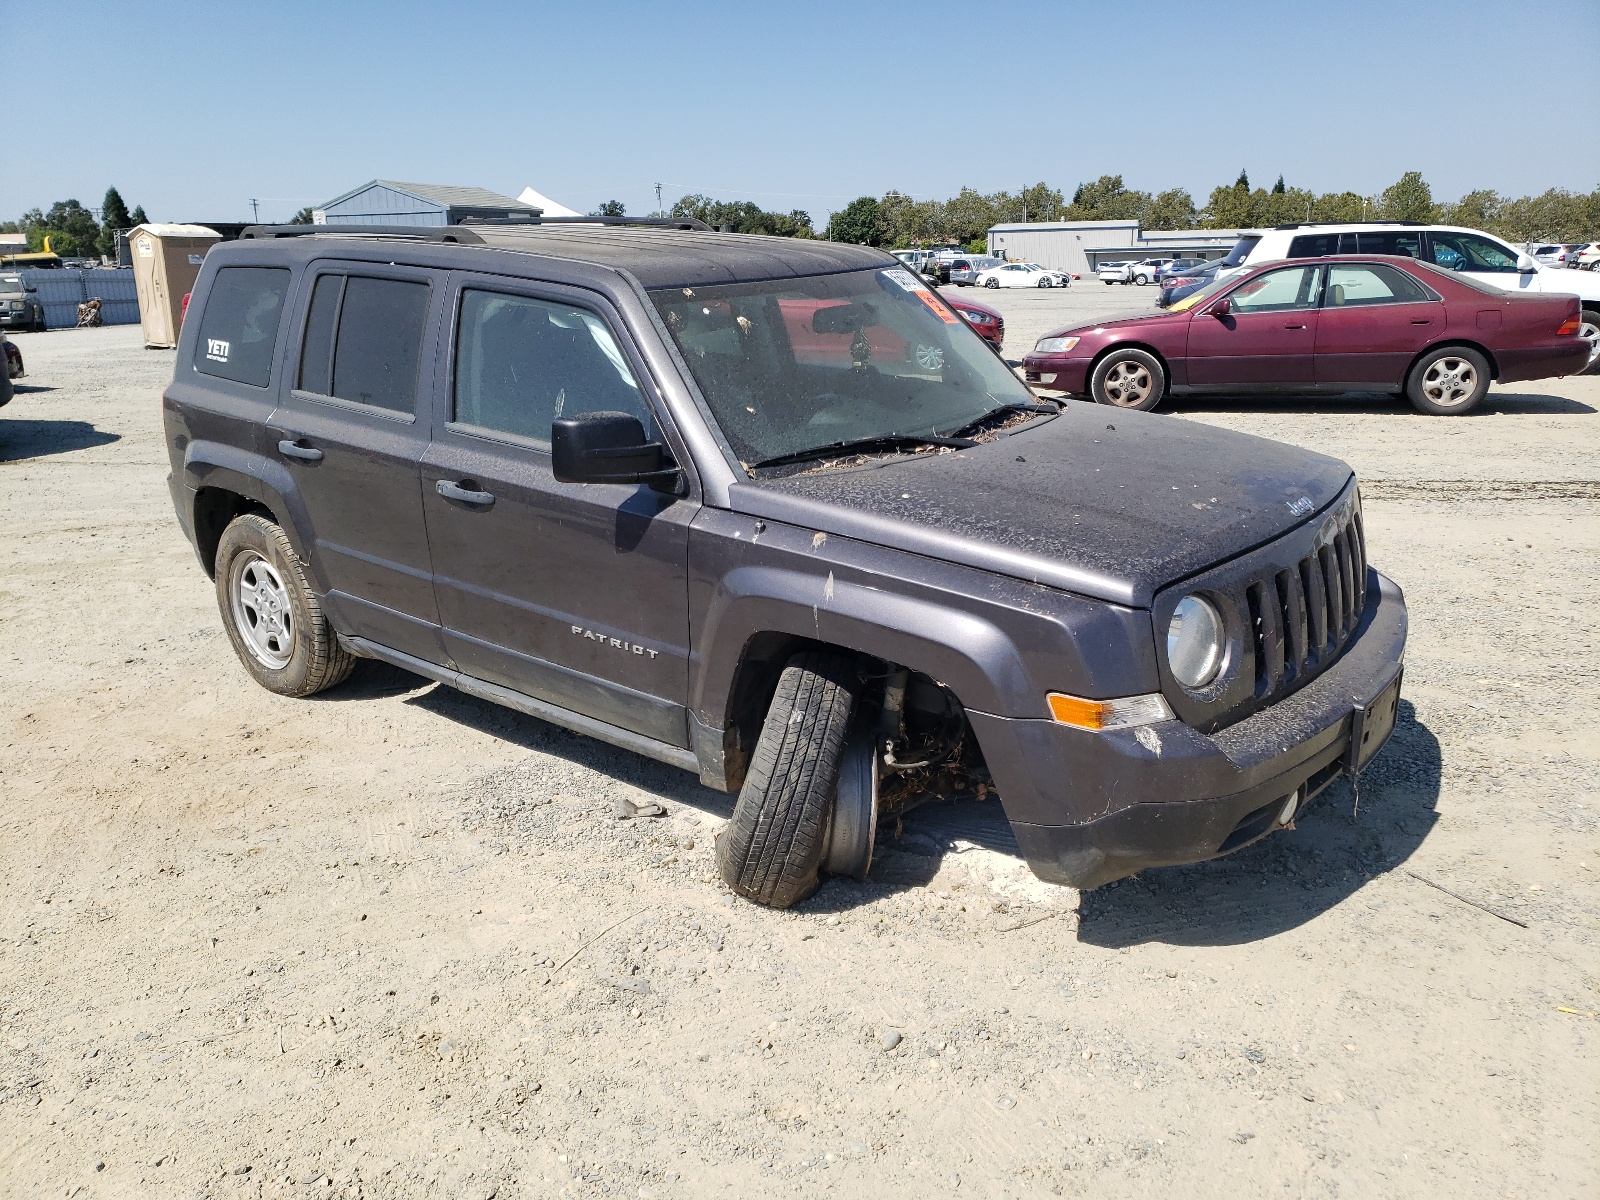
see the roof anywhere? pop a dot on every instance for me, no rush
(193, 231)
(685, 258)
(1045, 226)
(443, 194)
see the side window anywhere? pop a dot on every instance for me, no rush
(1316, 245)
(240, 325)
(1372, 283)
(1403, 244)
(1278, 291)
(521, 363)
(363, 340)
(1470, 252)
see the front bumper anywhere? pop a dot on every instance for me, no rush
(1057, 372)
(1088, 808)
(10, 317)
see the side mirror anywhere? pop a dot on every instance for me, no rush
(606, 447)
(1525, 264)
(30, 289)
(1221, 308)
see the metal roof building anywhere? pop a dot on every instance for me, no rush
(1080, 246)
(385, 202)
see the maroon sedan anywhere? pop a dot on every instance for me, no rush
(1352, 323)
(990, 326)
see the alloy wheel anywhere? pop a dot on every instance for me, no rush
(1449, 381)
(1589, 331)
(261, 611)
(1127, 384)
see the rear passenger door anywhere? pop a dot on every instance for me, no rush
(1375, 318)
(576, 594)
(349, 431)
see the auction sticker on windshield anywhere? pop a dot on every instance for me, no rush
(907, 280)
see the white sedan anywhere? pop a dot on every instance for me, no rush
(1022, 275)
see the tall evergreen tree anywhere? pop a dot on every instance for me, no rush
(113, 216)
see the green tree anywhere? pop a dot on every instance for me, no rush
(138, 217)
(113, 217)
(1172, 209)
(611, 208)
(1407, 199)
(303, 217)
(743, 216)
(1107, 199)
(71, 228)
(860, 222)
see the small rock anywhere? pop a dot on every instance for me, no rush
(100, 1166)
(889, 1039)
(1242, 1138)
(955, 1181)
(1005, 1102)
(242, 1169)
(1087, 1055)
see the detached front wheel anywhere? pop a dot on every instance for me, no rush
(1128, 379)
(772, 850)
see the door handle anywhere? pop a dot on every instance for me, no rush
(1294, 326)
(1421, 321)
(454, 491)
(295, 450)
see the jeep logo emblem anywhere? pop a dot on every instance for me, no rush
(1300, 507)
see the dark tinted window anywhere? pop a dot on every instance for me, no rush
(1358, 284)
(1404, 243)
(316, 356)
(1236, 256)
(1470, 252)
(521, 363)
(379, 342)
(240, 325)
(1314, 245)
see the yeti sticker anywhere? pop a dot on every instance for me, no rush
(217, 350)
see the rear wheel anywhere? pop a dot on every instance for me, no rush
(1045, 282)
(1128, 379)
(272, 616)
(1141, 280)
(1589, 331)
(772, 849)
(991, 282)
(1448, 382)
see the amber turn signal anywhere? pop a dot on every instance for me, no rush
(1108, 714)
(1570, 325)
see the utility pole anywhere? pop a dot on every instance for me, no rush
(1024, 205)
(658, 197)
(255, 211)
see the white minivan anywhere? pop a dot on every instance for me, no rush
(1474, 254)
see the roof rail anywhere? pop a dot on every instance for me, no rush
(416, 233)
(1336, 224)
(686, 223)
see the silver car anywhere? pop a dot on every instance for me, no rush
(19, 304)
(964, 272)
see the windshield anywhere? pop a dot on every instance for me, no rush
(10, 283)
(790, 365)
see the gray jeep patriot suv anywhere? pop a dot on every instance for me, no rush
(768, 510)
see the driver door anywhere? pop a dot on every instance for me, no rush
(576, 594)
(1267, 337)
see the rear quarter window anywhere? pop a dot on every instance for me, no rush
(239, 327)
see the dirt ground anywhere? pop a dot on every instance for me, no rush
(394, 942)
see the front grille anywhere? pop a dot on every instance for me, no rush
(1302, 615)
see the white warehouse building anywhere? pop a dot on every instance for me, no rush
(1080, 246)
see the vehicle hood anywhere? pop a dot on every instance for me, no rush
(1119, 323)
(1104, 503)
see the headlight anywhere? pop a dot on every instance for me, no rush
(976, 318)
(1194, 642)
(1056, 345)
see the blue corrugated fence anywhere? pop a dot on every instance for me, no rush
(61, 291)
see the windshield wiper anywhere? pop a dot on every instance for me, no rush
(1018, 406)
(887, 441)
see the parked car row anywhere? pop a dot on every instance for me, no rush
(1469, 253)
(1145, 271)
(1351, 323)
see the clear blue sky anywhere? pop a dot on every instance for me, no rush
(191, 109)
